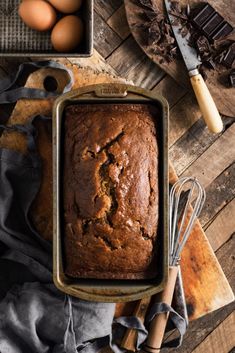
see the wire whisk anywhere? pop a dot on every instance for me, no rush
(186, 200)
(185, 207)
(187, 197)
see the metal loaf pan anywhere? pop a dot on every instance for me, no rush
(19, 40)
(110, 290)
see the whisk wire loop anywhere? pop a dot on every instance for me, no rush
(191, 209)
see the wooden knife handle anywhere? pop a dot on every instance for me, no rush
(158, 324)
(206, 103)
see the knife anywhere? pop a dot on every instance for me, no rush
(205, 101)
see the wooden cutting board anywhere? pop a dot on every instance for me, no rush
(217, 82)
(206, 286)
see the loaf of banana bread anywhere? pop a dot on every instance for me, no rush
(110, 191)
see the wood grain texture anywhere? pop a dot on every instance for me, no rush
(96, 63)
(217, 157)
(182, 119)
(225, 256)
(191, 145)
(218, 194)
(223, 337)
(146, 74)
(107, 8)
(170, 89)
(222, 227)
(127, 57)
(118, 22)
(106, 35)
(205, 287)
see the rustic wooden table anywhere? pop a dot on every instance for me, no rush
(192, 148)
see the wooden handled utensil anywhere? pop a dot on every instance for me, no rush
(158, 324)
(206, 103)
(192, 61)
(180, 226)
(182, 217)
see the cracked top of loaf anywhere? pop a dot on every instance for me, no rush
(110, 192)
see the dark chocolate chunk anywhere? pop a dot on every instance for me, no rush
(222, 31)
(203, 15)
(210, 64)
(229, 57)
(161, 41)
(212, 24)
(232, 78)
(203, 45)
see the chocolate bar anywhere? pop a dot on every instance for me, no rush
(229, 56)
(203, 15)
(211, 23)
(222, 32)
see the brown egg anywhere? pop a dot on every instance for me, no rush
(66, 6)
(37, 14)
(67, 34)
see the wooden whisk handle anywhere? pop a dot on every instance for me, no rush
(158, 324)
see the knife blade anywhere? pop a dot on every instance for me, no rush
(192, 61)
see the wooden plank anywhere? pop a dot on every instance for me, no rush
(181, 119)
(126, 57)
(96, 63)
(198, 330)
(105, 39)
(221, 340)
(106, 8)
(217, 158)
(221, 229)
(225, 256)
(118, 22)
(220, 192)
(170, 89)
(191, 145)
(146, 74)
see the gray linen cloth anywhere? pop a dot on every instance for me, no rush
(34, 315)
